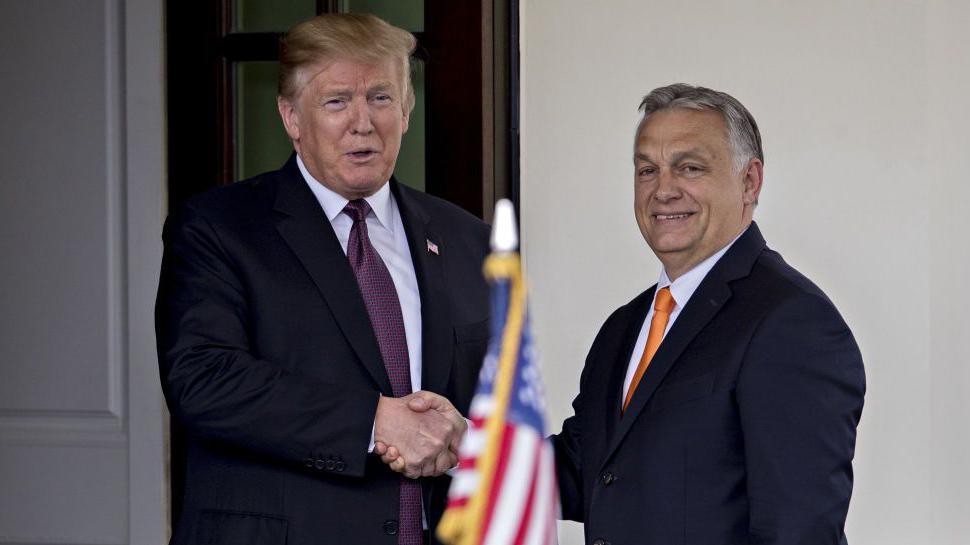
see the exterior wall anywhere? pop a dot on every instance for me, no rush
(81, 196)
(864, 123)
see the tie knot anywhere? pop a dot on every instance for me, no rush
(357, 209)
(664, 302)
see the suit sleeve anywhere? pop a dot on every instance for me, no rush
(568, 444)
(800, 395)
(218, 389)
(568, 449)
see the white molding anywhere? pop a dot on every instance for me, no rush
(144, 172)
(115, 303)
(50, 540)
(81, 429)
(96, 427)
(115, 209)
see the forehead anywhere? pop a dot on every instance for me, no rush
(349, 72)
(678, 128)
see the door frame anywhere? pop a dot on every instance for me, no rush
(471, 54)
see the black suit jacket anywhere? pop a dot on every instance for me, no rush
(269, 360)
(743, 428)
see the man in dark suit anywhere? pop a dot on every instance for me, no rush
(719, 406)
(311, 317)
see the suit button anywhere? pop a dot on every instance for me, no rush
(341, 466)
(390, 527)
(608, 478)
(330, 465)
(319, 464)
(308, 463)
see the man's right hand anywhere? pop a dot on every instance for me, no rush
(425, 440)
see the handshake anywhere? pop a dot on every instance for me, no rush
(418, 434)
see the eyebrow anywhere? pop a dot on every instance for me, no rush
(382, 86)
(677, 157)
(336, 92)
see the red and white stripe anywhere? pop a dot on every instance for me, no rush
(522, 507)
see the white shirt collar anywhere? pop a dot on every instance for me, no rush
(686, 284)
(333, 203)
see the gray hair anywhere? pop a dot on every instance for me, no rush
(742, 129)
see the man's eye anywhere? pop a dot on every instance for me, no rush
(334, 104)
(646, 171)
(382, 98)
(692, 169)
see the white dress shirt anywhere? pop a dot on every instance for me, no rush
(386, 232)
(681, 289)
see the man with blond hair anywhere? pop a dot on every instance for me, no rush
(311, 317)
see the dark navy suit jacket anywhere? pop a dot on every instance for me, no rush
(269, 360)
(743, 428)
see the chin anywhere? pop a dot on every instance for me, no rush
(669, 242)
(366, 184)
(370, 178)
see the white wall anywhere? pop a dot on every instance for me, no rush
(81, 202)
(864, 113)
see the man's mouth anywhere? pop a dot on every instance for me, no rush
(361, 155)
(672, 217)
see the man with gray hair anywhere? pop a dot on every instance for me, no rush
(720, 405)
(311, 318)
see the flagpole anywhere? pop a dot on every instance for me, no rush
(503, 262)
(507, 465)
(505, 237)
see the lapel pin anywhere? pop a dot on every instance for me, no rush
(432, 247)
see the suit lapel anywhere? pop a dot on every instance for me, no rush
(307, 231)
(614, 394)
(710, 296)
(436, 329)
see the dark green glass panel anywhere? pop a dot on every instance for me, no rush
(407, 14)
(261, 142)
(270, 16)
(410, 162)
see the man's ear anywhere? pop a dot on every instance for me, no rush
(407, 119)
(754, 175)
(290, 117)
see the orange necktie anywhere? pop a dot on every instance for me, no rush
(662, 306)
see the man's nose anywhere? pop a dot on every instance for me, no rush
(667, 188)
(360, 122)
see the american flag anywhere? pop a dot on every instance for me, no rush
(504, 491)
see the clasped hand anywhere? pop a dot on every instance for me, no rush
(418, 435)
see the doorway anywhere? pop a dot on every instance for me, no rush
(462, 144)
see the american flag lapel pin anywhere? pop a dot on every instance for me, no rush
(432, 247)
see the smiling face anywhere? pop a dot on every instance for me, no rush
(346, 123)
(689, 200)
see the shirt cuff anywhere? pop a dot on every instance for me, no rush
(373, 427)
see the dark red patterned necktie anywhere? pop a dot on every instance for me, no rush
(380, 298)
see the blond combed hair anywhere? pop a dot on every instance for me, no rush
(356, 36)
